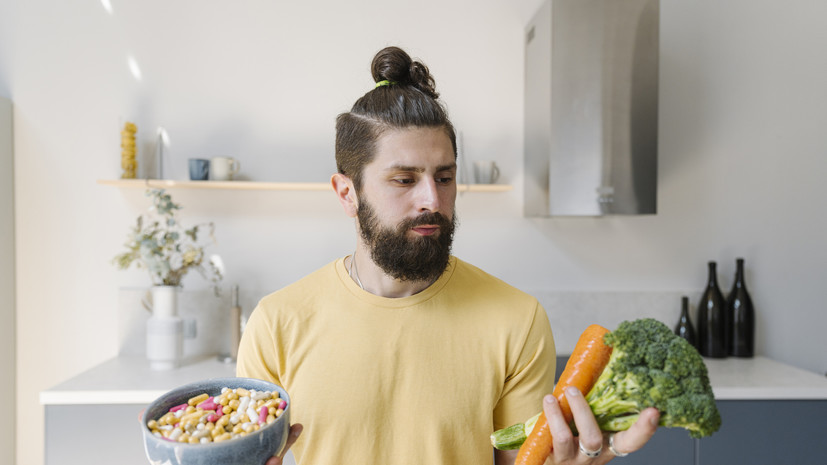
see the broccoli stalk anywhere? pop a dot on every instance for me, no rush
(652, 367)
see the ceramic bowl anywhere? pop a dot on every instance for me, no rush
(253, 449)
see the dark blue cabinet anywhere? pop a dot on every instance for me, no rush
(755, 432)
(771, 432)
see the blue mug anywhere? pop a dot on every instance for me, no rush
(199, 169)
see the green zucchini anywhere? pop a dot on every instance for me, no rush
(514, 436)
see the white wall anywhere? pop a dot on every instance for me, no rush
(8, 340)
(742, 154)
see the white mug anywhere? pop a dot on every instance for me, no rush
(223, 168)
(486, 172)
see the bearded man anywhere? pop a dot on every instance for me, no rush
(401, 353)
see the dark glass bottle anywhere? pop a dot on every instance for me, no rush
(684, 327)
(742, 315)
(713, 330)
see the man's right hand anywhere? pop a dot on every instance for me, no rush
(295, 431)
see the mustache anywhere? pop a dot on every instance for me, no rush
(426, 218)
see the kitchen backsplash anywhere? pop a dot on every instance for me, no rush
(207, 317)
(206, 320)
(571, 312)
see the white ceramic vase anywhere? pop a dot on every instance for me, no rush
(164, 329)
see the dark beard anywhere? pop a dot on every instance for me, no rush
(422, 259)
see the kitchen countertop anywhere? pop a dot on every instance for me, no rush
(763, 378)
(129, 380)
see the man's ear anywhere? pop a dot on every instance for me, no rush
(343, 187)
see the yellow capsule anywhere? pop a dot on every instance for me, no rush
(271, 411)
(279, 412)
(271, 418)
(232, 395)
(189, 409)
(242, 392)
(198, 399)
(209, 426)
(166, 418)
(223, 400)
(152, 424)
(223, 437)
(184, 437)
(194, 440)
(188, 417)
(234, 404)
(222, 422)
(237, 429)
(258, 405)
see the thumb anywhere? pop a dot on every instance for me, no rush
(639, 433)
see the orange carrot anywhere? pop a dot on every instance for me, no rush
(587, 361)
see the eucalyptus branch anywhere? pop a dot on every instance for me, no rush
(159, 243)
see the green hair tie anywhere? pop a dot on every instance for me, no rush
(385, 83)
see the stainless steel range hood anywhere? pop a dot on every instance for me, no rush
(591, 108)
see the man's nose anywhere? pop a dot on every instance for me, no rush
(428, 196)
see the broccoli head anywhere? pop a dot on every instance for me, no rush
(650, 366)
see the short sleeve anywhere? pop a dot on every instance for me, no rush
(258, 355)
(531, 374)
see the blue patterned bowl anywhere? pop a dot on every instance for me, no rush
(253, 449)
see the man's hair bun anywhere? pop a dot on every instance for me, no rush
(395, 65)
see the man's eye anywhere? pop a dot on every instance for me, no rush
(403, 180)
(445, 179)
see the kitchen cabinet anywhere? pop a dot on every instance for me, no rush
(104, 403)
(772, 413)
(767, 432)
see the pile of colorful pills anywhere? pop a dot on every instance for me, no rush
(204, 418)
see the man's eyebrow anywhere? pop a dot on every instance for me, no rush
(419, 169)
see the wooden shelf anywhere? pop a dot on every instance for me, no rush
(263, 186)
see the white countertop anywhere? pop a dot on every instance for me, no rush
(129, 380)
(763, 378)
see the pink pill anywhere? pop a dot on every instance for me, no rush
(207, 403)
(283, 404)
(262, 415)
(178, 407)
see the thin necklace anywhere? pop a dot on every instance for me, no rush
(354, 268)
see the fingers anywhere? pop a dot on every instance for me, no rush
(566, 446)
(562, 438)
(295, 432)
(591, 438)
(639, 433)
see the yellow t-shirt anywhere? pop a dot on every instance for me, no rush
(417, 380)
